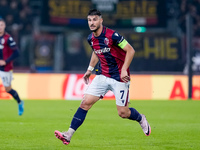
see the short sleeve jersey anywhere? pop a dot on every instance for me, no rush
(7, 47)
(108, 46)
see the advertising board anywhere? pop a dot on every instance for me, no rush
(72, 87)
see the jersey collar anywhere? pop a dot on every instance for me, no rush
(103, 32)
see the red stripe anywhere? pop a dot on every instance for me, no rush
(127, 98)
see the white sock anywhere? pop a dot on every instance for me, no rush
(71, 131)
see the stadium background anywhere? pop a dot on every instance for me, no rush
(52, 37)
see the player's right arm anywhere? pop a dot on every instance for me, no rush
(93, 61)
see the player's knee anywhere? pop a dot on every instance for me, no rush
(86, 105)
(7, 89)
(122, 114)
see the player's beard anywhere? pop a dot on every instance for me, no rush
(95, 29)
(1, 33)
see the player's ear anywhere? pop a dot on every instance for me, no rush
(101, 20)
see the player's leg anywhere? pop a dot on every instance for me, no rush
(6, 80)
(121, 91)
(96, 90)
(14, 93)
(87, 102)
(128, 112)
(133, 114)
(79, 117)
(17, 98)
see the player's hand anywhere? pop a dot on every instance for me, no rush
(2, 62)
(124, 76)
(86, 76)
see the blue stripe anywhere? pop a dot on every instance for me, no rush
(113, 68)
(99, 68)
(1, 53)
(2, 68)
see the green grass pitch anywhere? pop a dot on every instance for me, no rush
(175, 126)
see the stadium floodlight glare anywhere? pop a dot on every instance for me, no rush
(140, 29)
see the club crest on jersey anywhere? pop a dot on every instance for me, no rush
(106, 41)
(2, 41)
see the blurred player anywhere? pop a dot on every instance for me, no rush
(114, 55)
(8, 52)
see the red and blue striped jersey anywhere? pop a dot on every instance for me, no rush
(111, 56)
(7, 47)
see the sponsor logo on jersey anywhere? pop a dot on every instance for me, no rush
(103, 50)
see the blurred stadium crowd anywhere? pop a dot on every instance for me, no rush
(192, 6)
(19, 14)
(18, 17)
(23, 18)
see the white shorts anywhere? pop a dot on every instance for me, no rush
(6, 78)
(102, 84)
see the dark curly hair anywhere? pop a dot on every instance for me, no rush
(94, 12)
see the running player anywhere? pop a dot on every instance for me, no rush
(8, 52)
(114, 55)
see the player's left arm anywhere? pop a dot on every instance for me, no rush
(128, 59)
(124, 45)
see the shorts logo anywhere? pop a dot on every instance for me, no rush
(106, 41)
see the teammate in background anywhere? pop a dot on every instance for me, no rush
(114, 55)
(8, 52)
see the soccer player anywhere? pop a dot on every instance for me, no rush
(8, 52)
(114, 55)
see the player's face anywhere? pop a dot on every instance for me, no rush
(2, 27)
(94, 22)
